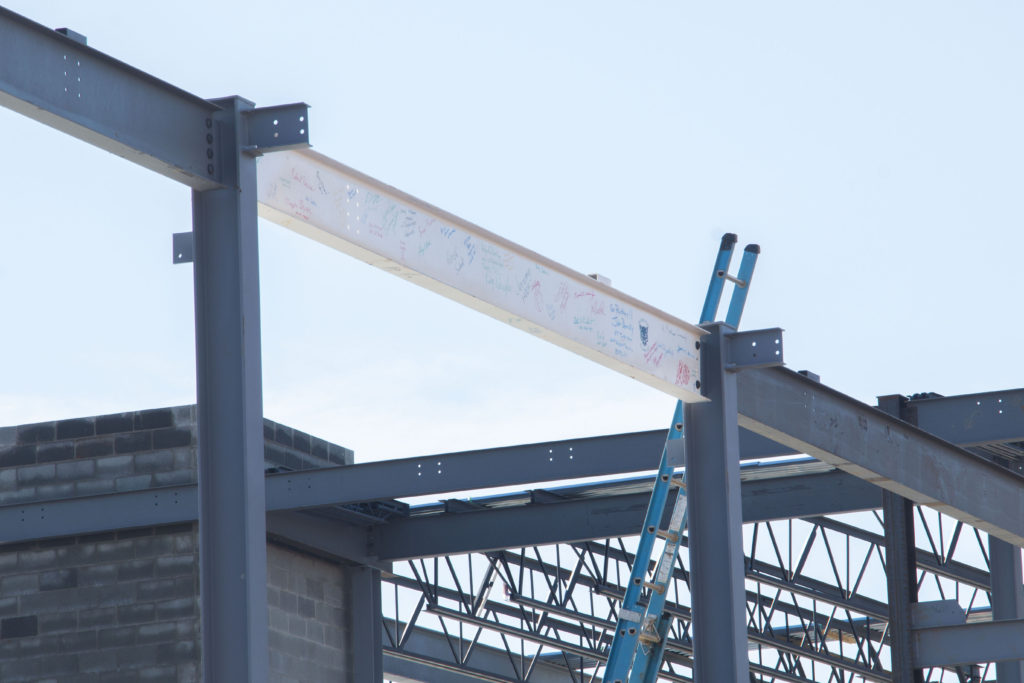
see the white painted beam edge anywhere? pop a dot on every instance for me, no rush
(353, 213)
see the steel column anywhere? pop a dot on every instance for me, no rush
(1007, 598)
(900, 568)
(363, 626)
(232, 507)
(716, 521)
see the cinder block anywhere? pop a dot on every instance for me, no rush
(80, 641)
(36, 474)
(117, 637)
(115, 466)
(75, 470)
(56, 622)
(58, 579)
(172, 437)
(94, 448)
(112, 424)
(55, 452)
(154, 419)
(135, 482)
(35, 433)
(176, 609)
(14, 456)
(76, 428)
(157, 632)
(97, 661)
(97, 617)
(19, 584)
(133, 442)
(136, 613)
(156, 461)
(175, 565)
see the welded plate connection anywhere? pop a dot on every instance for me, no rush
(340, 207)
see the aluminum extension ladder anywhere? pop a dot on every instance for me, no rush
(641, 631)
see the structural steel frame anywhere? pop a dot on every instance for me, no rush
(210, 145)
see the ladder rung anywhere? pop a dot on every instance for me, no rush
(671, 536)
(649, 638)
(678, 481)
(657, 587)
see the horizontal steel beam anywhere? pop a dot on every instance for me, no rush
(426, 656)
(972, 419)
(584, 519)
(814, 419)
(80, 91)
(369, 220)
(986, 641)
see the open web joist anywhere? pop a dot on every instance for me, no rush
(349, 211)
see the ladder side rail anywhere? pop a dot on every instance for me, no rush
(630, 618)
(714, 295)
(739, 294)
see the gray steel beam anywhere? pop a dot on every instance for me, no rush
(802, 495)
(1007, 598)
(362, 626)
(426, 656)
(574, 520)
(80, 91)
(232, 493)
(863, 441)
(900, 567)
(986, 641)
(972, 419)
(714, 504)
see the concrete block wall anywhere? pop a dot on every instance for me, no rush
(116, 607)
(123, 606)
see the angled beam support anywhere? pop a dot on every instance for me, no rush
(814, 419)
(232, 500)
(59, 81)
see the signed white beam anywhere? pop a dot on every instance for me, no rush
(342, 208)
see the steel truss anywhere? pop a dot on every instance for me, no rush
(815, 589)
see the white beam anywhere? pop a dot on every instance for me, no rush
(349, 211)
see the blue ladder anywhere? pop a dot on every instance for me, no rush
(641, 632)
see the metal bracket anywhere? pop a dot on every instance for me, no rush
(753, 349)
(275, 129)
(936, 613)
(183, 249)
(675, 452)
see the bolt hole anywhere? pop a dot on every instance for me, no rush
(753, 343)
(275, 122)
(275, 134)
(302, 131)
(301, 119)
(697, 384)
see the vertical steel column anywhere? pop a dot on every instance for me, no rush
(364, 625)
(232, 508)
(716, 521)
(1007, 598)
(900, 567)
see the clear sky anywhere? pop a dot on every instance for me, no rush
(872, 149)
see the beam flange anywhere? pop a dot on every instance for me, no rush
(821, 422)
(59, 81)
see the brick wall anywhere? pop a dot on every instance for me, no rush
(123, 606)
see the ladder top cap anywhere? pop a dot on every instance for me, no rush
(728, 239)
(753, 248)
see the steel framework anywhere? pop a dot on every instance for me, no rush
(786, 561)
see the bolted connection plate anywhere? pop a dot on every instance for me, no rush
(753, 349)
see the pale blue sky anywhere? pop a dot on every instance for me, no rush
(874, 151)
